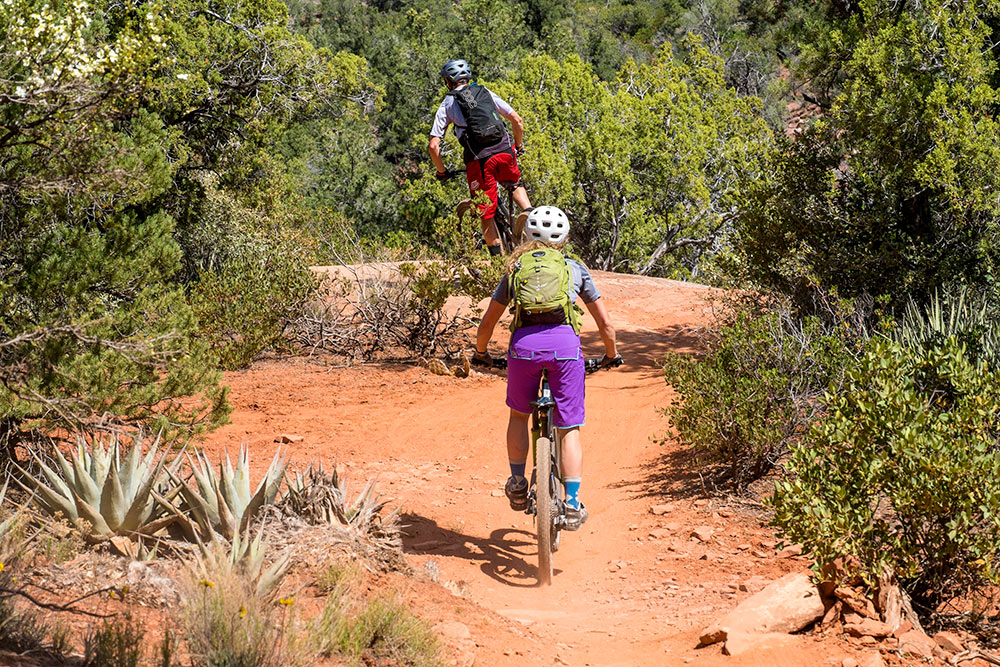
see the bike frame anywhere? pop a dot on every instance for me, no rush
(541, 426)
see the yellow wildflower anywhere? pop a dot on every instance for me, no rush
(206, 583)
(286, 601)
(243, 612)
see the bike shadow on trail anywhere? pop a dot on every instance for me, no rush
(508, 555)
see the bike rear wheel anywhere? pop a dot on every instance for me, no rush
(504, 223)
(544, 510)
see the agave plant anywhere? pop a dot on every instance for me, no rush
(221, 504)
(968, 315)
(245, 557)
(320, 497)
(95, 485)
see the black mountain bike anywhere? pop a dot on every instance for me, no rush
(503, 218)
(546, 493)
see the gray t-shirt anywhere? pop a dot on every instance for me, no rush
(582, 285)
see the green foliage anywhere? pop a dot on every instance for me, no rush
(902, 475)
(649, 166)
(894, 191)
(383, 630)
(117, 642)
(966, 315)
(747, 403)
(123, 128)
(227, 624)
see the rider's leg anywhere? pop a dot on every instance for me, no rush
(516, 488)
(517, 441)
(489, 209)
(572, 464)
(491, 235)
(521, 197)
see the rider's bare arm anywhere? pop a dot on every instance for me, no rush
(517, 128)
(434, 148)
(488, 323)
(604, 326)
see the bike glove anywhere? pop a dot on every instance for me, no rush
(519, 150)
(442, 176)
(482, 359)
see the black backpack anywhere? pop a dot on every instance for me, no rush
(484, 126)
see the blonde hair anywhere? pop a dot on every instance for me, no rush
(528, 246)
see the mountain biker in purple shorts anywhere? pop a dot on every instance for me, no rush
(547, 341)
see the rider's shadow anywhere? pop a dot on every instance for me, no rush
(508, 555)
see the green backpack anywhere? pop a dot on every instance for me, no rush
(540, 283)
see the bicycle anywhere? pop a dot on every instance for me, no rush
(503, 219)
(546, 500)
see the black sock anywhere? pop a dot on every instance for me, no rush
(494, 249)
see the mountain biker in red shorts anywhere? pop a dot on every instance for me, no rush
(547, 341)
(486, 164)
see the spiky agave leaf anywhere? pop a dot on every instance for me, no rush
(245, 557)
(222, 504)
(115, 498)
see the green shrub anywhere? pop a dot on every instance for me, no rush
(245, 306)
(116, 643)
(754, 393)
(383, 632)
(902, 475)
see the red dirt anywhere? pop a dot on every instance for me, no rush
(620, 597)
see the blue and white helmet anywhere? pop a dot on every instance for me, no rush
(456, 70)
(548, 224)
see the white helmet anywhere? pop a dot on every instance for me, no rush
(548, 224)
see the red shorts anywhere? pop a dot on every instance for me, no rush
(501, 168)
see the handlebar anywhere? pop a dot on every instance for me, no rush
(590, 365)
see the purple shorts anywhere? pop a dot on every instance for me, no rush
(556, 349)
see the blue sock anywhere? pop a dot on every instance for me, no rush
(517, 469)
(572, 485)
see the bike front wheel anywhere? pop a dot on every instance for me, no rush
(544, 509)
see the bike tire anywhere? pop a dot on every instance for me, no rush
(504, 224)
(544, 519)
(558, 492)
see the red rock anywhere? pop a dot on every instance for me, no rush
(739, 643)
(660, 510)
(786, 605)
(659, 533)
(702, 533)
(873, 660)
(791, 551)
(869, 627)
(949, 641)
(848, 662)
(917, 644)
(903, 628)
(289, 438)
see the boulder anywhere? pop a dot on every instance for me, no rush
(873, 660)
(288, 438)
(739, 643)
(868, 627)
(786, 605)
(917, 644)
(949, 641)
(702, 533)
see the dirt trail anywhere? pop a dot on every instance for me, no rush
(620, 595)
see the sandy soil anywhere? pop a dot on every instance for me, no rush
(620, 596)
